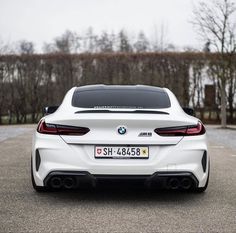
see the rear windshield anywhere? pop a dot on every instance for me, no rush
(140, 99)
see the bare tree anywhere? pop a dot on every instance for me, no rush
(160, 40)
(3, 47)
(26, 47)
(89, 41)
(206, 48)
(105, 42)
(124, 43)
(48, 48)
(142, 43)
(68, 42)
(214, 22)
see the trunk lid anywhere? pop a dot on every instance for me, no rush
(104, 127)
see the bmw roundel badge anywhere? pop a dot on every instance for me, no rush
(122, 130)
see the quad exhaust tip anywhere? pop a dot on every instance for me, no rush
(175, 183)
(69, 183)
(186, 183)
(57, 182)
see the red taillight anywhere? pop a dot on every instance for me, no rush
(71, 130)
(198, 129)
(45, 128)
(173, 131)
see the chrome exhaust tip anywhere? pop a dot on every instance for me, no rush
(69, 183)
(186, 183)
(56, 182)
(173, 183)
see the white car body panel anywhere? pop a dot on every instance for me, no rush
(76, 153)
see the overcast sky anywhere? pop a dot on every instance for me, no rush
(42, 20)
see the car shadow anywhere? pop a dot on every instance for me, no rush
(122, 194)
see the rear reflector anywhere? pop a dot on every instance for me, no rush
(204, 161)
(45, 128)
(37, 160)
(191, 130)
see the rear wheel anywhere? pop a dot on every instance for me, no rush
(36, 187)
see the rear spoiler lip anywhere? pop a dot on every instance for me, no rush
(123, 111)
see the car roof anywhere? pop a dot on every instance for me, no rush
(119, 87)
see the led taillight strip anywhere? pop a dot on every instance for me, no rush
(45, 128)
(192, 130)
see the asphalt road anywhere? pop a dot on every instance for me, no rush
(24, 210)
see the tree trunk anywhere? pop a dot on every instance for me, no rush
(223, 106)
(231, 98)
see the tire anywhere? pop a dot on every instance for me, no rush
(36, 187)
(203, 189)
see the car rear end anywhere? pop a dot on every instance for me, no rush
(83, 144)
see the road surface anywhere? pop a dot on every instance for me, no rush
(24, 210)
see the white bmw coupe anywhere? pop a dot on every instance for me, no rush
(119, 133)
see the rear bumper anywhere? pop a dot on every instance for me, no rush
(75, 179)
(55, 155)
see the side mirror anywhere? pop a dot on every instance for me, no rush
(189, 111)
(49, 110)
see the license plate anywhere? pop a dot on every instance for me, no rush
(136, 152)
